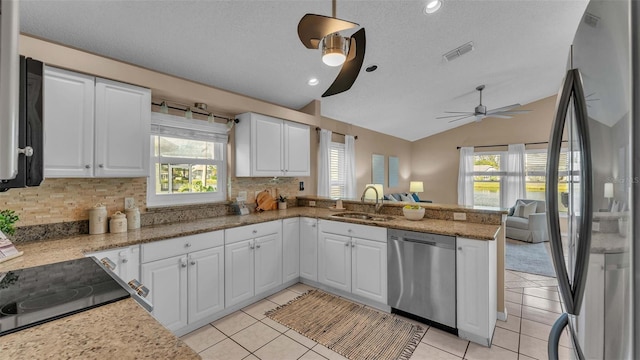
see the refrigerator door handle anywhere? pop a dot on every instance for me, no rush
(554, 336)
(571, 291)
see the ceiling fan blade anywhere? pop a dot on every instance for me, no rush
(351, 68)
(459, 112)
(462, 118)
(504, 108)
(452, 116)
(499, 116)
(312, 28)
(513, 112)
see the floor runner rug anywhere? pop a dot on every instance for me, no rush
(352, 330)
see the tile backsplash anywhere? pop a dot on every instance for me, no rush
(65, 200)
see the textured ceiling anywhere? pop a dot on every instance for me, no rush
(251, 47)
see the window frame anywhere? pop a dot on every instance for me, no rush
(170, 126)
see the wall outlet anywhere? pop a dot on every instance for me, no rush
(242, 196)
(312, 203)
(595, 226)
(459, 216)
(129, 203)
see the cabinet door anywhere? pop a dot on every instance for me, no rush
(296, 149)
(476, 289)
(206, 283)
(309, 248)
(238, 271)
(290, 249)
(167, 283)
(122, 133)
(68, 126)
(268, 262)
(334, 261)
(369, 269)
(266, 146)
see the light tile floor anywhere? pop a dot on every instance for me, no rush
(532, 302)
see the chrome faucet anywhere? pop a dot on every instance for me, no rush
(378, 206)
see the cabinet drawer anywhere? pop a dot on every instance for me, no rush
(353, 230)
(182, 245)
(240, 233)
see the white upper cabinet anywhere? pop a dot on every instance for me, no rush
(123, 118)
(68, 123)
(268, 146)
(94, 127)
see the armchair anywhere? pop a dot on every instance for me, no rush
(531, 228)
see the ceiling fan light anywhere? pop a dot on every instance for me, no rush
(334, 49)
(433, 6)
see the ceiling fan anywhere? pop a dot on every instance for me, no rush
(481, 112)
(319, 30)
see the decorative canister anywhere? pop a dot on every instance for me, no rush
(98, 219)
(133, 218)
(118, 223)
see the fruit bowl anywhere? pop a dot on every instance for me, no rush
(413, 212)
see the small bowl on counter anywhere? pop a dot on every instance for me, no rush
(413, 213)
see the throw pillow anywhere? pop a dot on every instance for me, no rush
(529, 209)
(406, 198)
(415, 197)
(615, 207)
(517, 210)
(390, 198)
(511, 211)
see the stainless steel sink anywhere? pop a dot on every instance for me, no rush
(363, 216)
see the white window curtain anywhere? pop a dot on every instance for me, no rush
(514, 186)
(350, 166)
(324, 163)
(465, 177)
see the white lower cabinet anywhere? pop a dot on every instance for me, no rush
(309, 248)
(253, 260)
(353, 258)
(476, 286)
(290, 249)
(126, 260)
(185, 277)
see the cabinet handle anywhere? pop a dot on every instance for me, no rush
(346, 244)
(100, 166)
(255, 231)
(353, 244)
(193, 262)
(87, 166)
(460, 248)
(251, 246)
(258, 246)
(124, 261)
(314, 225)
(350, 230)
(187, 245)
(183, 263)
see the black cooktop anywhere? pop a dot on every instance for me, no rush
(35, 295)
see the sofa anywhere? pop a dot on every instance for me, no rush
(406, 197)
(527, 222)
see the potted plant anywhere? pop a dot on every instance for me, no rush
(7, 220)
(282, 202)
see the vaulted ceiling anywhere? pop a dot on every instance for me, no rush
(252, 47)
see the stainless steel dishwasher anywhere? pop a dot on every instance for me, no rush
(422, 275)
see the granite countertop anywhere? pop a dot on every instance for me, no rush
(51, 251)
(120, 330)
(124, 329)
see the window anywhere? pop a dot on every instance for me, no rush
(338, 181)
(488, 177)
(188, 161)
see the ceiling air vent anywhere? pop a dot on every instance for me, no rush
(591, 19)
(459, 51)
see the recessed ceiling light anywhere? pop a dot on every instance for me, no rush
(313, 82)
(433, 6)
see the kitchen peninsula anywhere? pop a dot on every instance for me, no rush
(111, 336)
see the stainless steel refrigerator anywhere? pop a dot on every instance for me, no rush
(593, 168)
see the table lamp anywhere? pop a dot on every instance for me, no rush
(416, 186)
